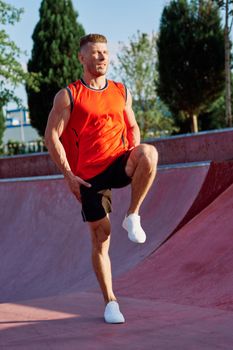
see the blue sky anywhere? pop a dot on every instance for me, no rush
(119, 20)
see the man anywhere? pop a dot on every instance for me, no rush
(94, 139)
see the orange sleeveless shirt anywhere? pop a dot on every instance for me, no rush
(96, 133)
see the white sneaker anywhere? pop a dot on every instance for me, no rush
(132, 224)
(112, 313)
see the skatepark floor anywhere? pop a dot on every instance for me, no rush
(175, 290)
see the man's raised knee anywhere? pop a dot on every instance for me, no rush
(149, 156)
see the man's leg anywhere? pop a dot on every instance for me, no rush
(141, 167)
(100, 233)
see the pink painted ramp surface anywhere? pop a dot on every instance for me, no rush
(75, 322)
(195, 267)
(175, 290)
(45, 246)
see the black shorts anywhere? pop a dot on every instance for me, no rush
(96, 200)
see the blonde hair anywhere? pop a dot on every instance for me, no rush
(92, 38)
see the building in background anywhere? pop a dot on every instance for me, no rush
(18, 127)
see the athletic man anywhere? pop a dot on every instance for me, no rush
(94, 139)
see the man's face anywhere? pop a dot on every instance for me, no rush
(95, 58)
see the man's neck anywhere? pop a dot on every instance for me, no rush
(95, 83)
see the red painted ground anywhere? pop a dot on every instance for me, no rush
(174, 296)
(195, 267)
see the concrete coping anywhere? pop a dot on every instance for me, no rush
(59, 177)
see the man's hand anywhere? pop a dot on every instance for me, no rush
(74, 183)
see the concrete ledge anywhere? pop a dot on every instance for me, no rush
(216, 146)
(37, 164)
(205, 146)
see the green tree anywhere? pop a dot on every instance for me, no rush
(136, 68)
(54, 56)
(227, 6)
(190, 57)
(11, 72)
(214, 116)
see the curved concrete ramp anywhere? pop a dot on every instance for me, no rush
(218, 179)
(195, 267)
(176, 295)
(45, 246)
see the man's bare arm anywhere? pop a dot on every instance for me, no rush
(133, 132)
(57, 122)
(58, 119)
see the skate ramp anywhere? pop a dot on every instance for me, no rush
(45, 247)
(175, 290)
(195, 266)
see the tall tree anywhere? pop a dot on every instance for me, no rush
(190, 57)
(54, 56)
(136, 66)
(12, 73)
(214, 116)
(227, 6)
